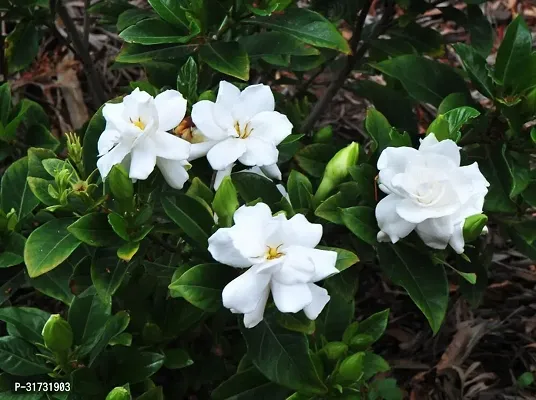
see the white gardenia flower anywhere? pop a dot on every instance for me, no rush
(283, 260)
(428, 191)
(136, 135)
(240, 126)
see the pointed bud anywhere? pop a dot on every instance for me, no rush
(57, 334)
(118, 393)
(351, 368)
(474, 226)
(324, 135)
(334, 350)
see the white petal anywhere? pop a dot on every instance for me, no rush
(413, 212)
(258, 152)
(253, 100)
(225, 153)
(174, 172)
(320, 299)
(221, 247)
(291, 298)
(253, 318)
(393, 161)
(107, 140)
(143, 160)
(114, 156)
(222, 174)
(296, 268)
(113, 113)
(204, 119)
(446, 148)
(171, 108)
(270, 126)
(457, 241)
(322, 261)
(272, 171)
(257, 215)
(244, 293)
(198, 150)
(299, 231)
(436, 232)
(228, 95)
(170, 146)
(389, 221)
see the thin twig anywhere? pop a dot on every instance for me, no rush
(83, 53)
(351, 61)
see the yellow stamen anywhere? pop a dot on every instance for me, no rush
(273, 253)
(243, 133)
(139, 123)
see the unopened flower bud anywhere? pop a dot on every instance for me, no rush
(118, 393)
(57, 334)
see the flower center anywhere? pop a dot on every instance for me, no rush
(273, 252)
(139, 123)
(428, 193)
(243, 133)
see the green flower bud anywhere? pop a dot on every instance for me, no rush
(337, 171)
(118, 393)
(361, 341)
(324, 135)
(12, 220)
(74, 150)
(473, 226)
(351, 368)
(529, 105)
(350, 332)
(334, 350)
(120, 184)
(57, 334)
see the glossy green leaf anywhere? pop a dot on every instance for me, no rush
(5, 103)
(362, 222)
(191, 216)
(248, 385)
(127, 251)
(135, 366)
(48, 246)
(373, 364)
(19, 358)
(300, 190)
(312, 159)
(307, 26)
(56, 283)
(425, 281)
(448, 125)
(119, 226)
(154, 31)
(171, 11)
(13, 250)
(202, 285)
(177, 358)
(252, 186)
(187, 80)
(374, 325)
(131, 17)
(39, 188)
(114, 326)
(107, 273)
(275, 43)
(226, 57)
(22, 46)
(137, 53)
(94, 230)
(14, 190)
(225, 202)
(91, 137)
(25, 322)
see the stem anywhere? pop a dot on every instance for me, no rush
(83, 53)
(351, 61)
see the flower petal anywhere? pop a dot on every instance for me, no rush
(389, 221)
(244, 293)
(272, 171)
(143, 160)
(171, 108)
(107, 140)
(113, 113)
(393, 161)
(222, 174)
(320, 299)
(204, 119)
(253, 100)
(446, 148)
(270, 126)
(436, 232)
(170, 146)
(173, 171)
(312, 264)
(291, 298)
(300, 232)
(114, 156)
(258, 152)
(228, 95)
(258, 215)
(198, 150)
(221, 247)
(457, 241)
(415, 213)
(253, 318)
(225, 153)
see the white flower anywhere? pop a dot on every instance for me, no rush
(283, 260)
(136, 135)
(428, 191)
(240, 126)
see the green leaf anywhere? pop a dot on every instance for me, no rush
(225, 202)
(5, 103)
(226, 57)
(131, 17)
(296, 323)
(307, 26)
(251, 186)
(177, 358)
(452, 101)
(40, 136)
(477, 266)
(249, 384)
(373, 364)
(137, 53)
(13, 250)
(345, 258)
(113, 327)
(91, 137)
(19, 358)
(87, 316)
(39, 188)
(525, 380)
(21, 45)
(313, 158)
(135, 366)
(378, 128)
(513, 53)
(187, 80)
(171, 11)
(154, 31)
(275, 43)
(386, 389)
(448, 125)
(25, 322)
(480, 29)
(425, 281)
(119, 225)
(128, 250)
(56, 283)
(283, 356)
(374, 325)
(300, 190)
(155, 393)
(94, 230)
(202, 285)
(48, 246)
(362, 222)
(425, 80)
(14, 190)
(35, 162)
(107, 273)
(191, 216)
